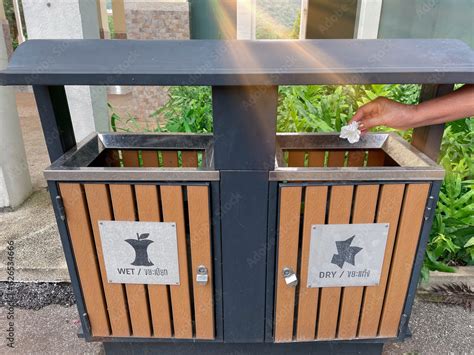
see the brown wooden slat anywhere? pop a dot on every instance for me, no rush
(336, 158)
(200, 237)
(124, 210)
(296, 158)
(356, 158)
(149, 211)
(376, 157)
(339, 213)
(150, 158)
(364, 212)
(290, 206)
(170, 158)
(314, 213)
(405, 249)
(130, 158)
(82, 242)
(173, 211)
(316, 158)
(190, 158)
(100, 210)
(390, 203)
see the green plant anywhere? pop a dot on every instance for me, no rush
(189, 109)
(452, 235)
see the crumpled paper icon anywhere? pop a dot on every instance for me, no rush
(351, 132)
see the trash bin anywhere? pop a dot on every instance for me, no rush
(141, 178)
(272, 239)
(364, 204)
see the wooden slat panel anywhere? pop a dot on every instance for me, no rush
(314, 213)
(124, 210)
(364, 212)
(130, 158)
(316, 158)
(101, 210)
(390, 203)
(339, 213)
(190, 158)
(149, 211)
(296, 158)
(200, 237)
(405, 248)
(170, 158)
(336, 158)
(150, 158)
(173, 211)
(376, 157)
(289, 225)
(356, 158)
(84, 253)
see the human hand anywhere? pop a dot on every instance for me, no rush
(384, 112)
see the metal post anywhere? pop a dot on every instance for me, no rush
(55, 118)
(244, 134)
(428, 139)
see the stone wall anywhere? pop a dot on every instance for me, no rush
(154, 20)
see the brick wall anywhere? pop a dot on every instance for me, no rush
(154, 20)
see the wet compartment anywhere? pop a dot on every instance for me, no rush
(142, 279)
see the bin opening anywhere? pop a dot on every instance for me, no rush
(128, 156)
(325, 156)
(150, 158)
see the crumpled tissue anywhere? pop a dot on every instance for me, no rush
(351, 132)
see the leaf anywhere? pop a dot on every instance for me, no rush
(469, 243)
(143, 236)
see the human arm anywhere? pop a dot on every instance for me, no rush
(386, 112)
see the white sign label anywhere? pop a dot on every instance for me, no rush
(140, 252)
(346, 254)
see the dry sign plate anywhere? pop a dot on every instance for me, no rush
(140, 252)
(346, 254)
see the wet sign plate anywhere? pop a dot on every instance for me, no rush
(140, 252)
(346, 254)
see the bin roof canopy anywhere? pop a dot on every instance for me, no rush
(213, 62)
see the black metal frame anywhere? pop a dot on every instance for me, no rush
(244, 76)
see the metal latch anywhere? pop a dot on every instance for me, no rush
(202, 276)
(290, 277)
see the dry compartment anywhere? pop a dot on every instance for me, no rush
(142, 178)
(326, 187)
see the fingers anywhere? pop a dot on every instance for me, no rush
(368, 115)
(369, 123)
(367, 110)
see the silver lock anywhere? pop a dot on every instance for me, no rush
(202, 276)
(290, 277)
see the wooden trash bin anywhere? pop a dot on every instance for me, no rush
(141, 178)
(323, 180)
(241, 222)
